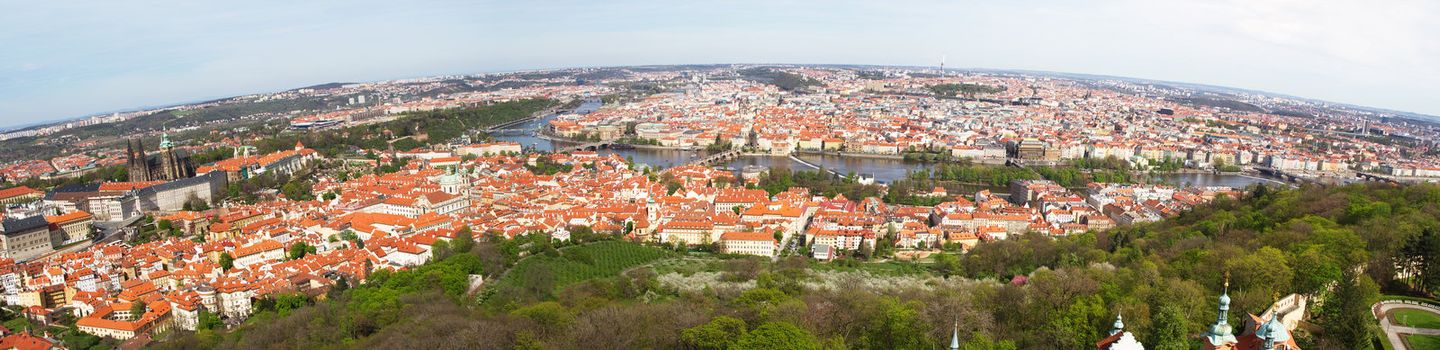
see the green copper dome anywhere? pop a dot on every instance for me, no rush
(1221, 332)
(1273, 330)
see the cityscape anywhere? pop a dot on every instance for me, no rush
(726, 206)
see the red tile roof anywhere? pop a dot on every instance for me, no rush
(25, 341)
(18, 191)
(748, 236)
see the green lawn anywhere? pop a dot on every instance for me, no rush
(1416, 318)
(579, 263)
(1417, 341)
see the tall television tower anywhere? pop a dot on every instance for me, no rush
(942, 64)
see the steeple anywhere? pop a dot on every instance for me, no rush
(1225, 301)
(1273, 331)
(138, 161)
(1220, 332)
(165, 141)
(1127, 342)
(1119, 339)
(1267, 333)
(955, 336)
(1119, 325)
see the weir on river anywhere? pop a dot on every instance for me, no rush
(813, 166)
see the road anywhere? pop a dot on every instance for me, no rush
(1393, 331)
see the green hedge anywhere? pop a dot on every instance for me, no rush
(1426, 301)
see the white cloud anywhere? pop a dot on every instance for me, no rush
(91, 57)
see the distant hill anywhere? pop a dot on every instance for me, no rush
(322, 86)
(1075, 76)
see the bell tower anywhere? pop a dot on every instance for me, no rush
(138, 163)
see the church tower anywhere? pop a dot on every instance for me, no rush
(1119, 325)
(173, 166)
(1119, 339)
(955, 336)
(138, 164)
(168, 162)
(1221, 336)
(1271, 335)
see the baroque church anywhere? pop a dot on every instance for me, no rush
(166, 165)
(1258, 333)
(1265, 332)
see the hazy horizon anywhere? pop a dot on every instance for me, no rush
(71, 60)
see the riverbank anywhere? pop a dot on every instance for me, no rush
(901, 157)
(533, 117)
(1186, 171)
(853, 154)
(659, 147)
(554, 138)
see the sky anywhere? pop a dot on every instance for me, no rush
(63, 59)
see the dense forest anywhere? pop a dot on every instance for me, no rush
(1340, 245)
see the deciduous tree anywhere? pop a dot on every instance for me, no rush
(718, 334)
(777, 335)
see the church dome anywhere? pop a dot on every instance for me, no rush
(453, 183)
(1221, 329)
(450, 179)
(1273, 330)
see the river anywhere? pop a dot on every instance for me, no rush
(1209, 180)
(530, 141)
(884, 170)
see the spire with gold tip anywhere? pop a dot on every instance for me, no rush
(1221, 332)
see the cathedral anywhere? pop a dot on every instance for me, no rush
(166, 165)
